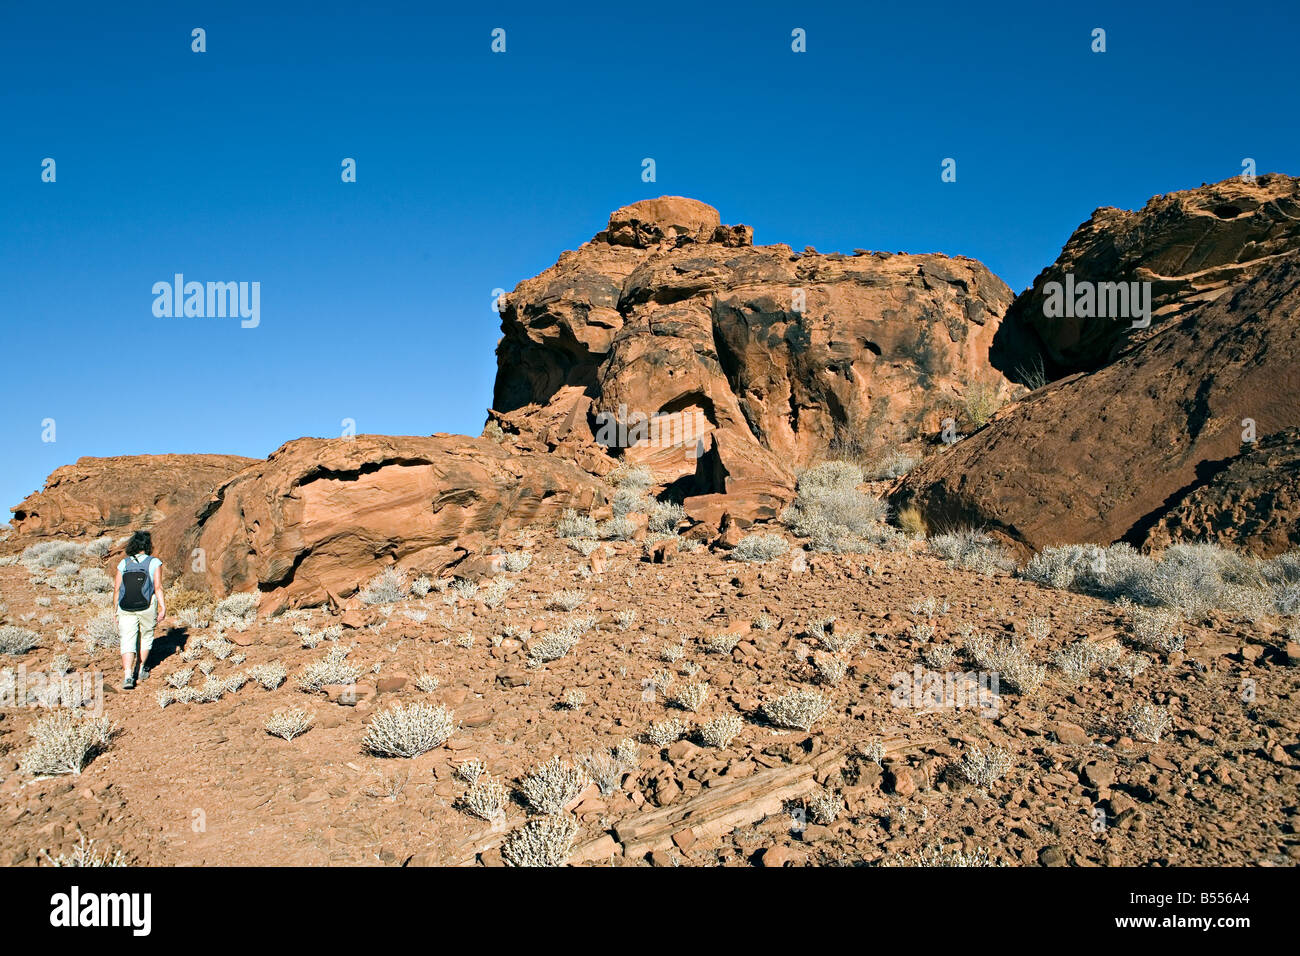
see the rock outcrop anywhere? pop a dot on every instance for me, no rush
(748, 360)
(1103, 457)
(321, 517)
(1192, 246)
(1252, 505)
(98, 496)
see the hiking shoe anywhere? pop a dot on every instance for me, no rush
(144, 673)
(128, 682)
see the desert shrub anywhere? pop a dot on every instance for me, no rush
(180, 678)
(426, 683)
(289, 723)
(544, 842)
(664, 732)
(387, 587)
(237, 606)
(972, 549)
(181, 598)
(797, 709)
(720, 731)
(723, 643)
(65, 743)
(558, 641)
(946, 856)
(552, 785)
(1158, 631)
(408, 730)
(99, 548)
(495, 593)
(830, 668)
(471, 770)
(983, 768)
(605, 770)
(1147, 722)
(1080, 660)
(51, 554)
(1010, 659)
(759, 548)
(333, 668)
(825, 806)
(618, 528)
(664, 517)
(628, 500)
(485, 798)
(631, 477)
(517, 561)
(584, 546)
(219, 647)
(893, 464)
(691, 696)
(979, 403)
(939, 656)
(832, 513)
(95, 581)
(270, 675)
(574, 525)
(573, 699)
(85, 854)
(17, 640)
(421, 586)
(566, 600)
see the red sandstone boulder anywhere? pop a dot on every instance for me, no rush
(97, 496)
(320, 517)
(740, 363)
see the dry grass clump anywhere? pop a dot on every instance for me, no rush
(85, 854)
(825, 805)
(723, 643)
(65, 743)
(333, 668)
(289, 723)
(544, 842)
(408, 730)
(798, 709)
(833, 514)
(517, 561)
(553, 785)
(983, 768)
(759, 548)
(831, 668)
(720, 731)
(606, 768)
(17, 640)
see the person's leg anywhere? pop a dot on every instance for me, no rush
(148, 621)
(128, 628)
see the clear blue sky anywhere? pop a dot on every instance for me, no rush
(475, 170)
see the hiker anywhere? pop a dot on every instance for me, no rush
(140, 604)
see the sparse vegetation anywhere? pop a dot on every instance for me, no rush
(289, 723)
(798, 709)
(64, 742)
(408, 730)
(759, 548)
(553, 785)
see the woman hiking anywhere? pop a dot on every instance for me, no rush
(140, 604)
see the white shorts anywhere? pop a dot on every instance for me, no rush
(136, 628)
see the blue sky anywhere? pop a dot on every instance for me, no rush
(475, 170)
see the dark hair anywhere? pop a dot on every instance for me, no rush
(140, 543)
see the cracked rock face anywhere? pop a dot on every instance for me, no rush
(1252, 505)
(1192, 246)
(321, 517)
(761, 357)
(1102, 457)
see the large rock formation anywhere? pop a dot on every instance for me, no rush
(98, 496)
(750, 360)
(1252, 505)
(1191, 246)
(320, 517)
(1103, 456)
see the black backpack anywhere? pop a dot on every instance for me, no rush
(137, 585)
